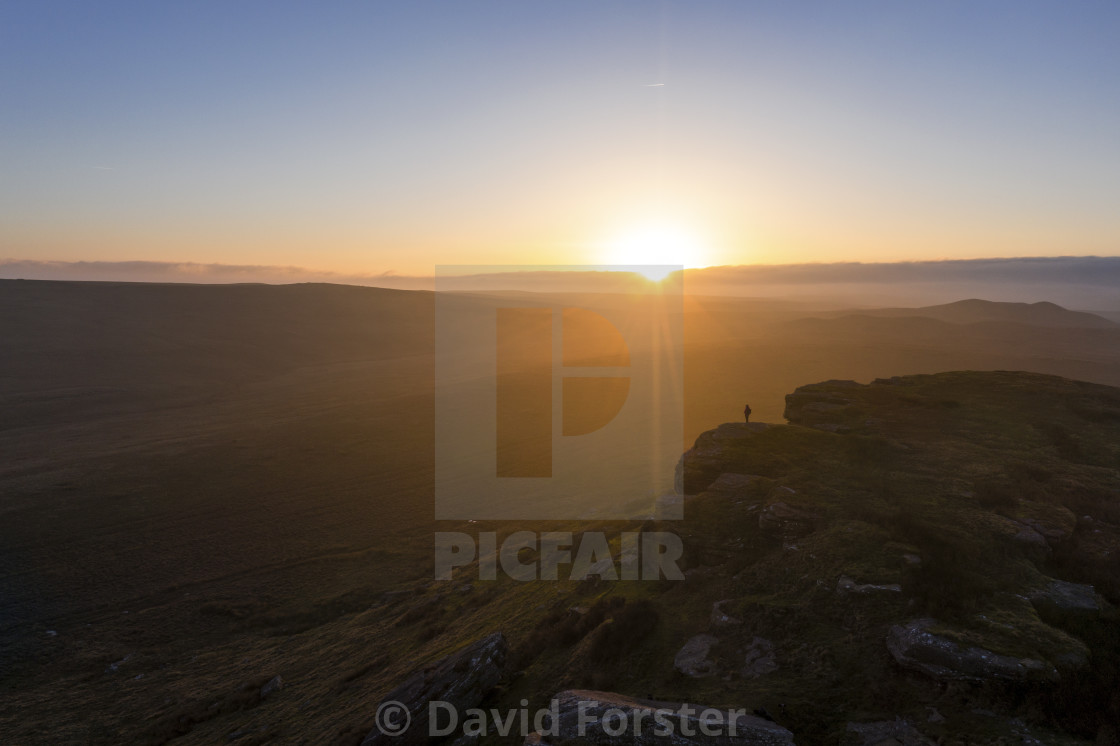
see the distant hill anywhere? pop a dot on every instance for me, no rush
(976, 310)
(868, 329)
(1110, 315)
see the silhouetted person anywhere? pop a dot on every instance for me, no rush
(747, 413)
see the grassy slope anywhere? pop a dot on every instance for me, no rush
(916, 475)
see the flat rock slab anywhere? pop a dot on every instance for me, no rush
(913, 646)
(1067, 597)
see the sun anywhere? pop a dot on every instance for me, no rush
(654, 250)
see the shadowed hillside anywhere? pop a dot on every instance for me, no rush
(928, 556)
(205, 487)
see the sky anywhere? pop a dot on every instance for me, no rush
(373, 137)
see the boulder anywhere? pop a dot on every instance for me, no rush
(1067, 597)
(914, 647)
(617, 720)
(692, 659)
(274, 684)
(1055, 529)
(1032, 541)
(462, 679)
(759, 659)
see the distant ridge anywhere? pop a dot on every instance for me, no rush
(975, 310)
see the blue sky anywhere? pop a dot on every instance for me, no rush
(396, 136)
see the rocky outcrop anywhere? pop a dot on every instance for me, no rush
(820, 405)
(1032, 542)
(1067, 597)
(1056, 528)
(915, 647)
(692, 659)
(610, 719)
(784, 522)
(706, 461)
(462, 679)
(897, 521)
